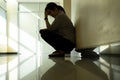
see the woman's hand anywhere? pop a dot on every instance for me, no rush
(46, 13)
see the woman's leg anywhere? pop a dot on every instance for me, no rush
(48, 36)
(85, 49)
(56, 41)
(88, 53)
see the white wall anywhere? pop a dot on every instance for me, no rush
(67, 7)
(12, 24)
(98, 22)
(3, 4)
(28, 23)
(74, 4)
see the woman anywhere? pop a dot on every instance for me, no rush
(61, 33)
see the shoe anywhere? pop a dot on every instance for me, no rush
(57, 54)
(90, 54)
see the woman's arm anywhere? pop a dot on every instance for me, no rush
(46, 19)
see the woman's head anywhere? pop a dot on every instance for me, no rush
(51, 6)
(53, 9)
(60, 8)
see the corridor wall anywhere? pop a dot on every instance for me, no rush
(97, 22)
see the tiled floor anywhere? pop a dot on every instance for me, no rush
(35, 67)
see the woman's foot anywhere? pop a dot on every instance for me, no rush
(90, 55)
(58, 53)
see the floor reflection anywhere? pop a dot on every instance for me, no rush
(8, 66)
(62, 70)
(33, 67)
(87, 70)
(114, 66)
(83, 69)
(18, 67)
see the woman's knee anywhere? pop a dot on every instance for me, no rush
(42, 31)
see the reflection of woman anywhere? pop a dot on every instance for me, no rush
(83, 69)
(87, 70)
(62, 70)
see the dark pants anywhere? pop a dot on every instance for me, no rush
(56, 41)
(85, 50)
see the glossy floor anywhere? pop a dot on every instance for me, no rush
(41, 67)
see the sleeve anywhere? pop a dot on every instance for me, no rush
(59, 20)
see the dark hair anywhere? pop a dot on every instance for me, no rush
(60, 8)
(51, 6)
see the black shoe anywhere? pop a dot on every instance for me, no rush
(90, 54)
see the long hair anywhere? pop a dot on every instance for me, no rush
(52, 6)
(60, 8)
